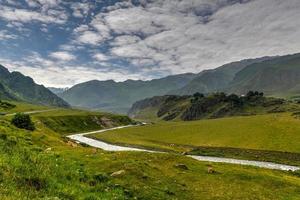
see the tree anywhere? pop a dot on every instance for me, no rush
(235, 100)
(250, 94)
(23, 121)
(198, 95)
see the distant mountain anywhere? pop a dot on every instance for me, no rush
(279, 76)
(16, 86)
(217, 79)
(119, 96)
(57, 91)
(275, 76)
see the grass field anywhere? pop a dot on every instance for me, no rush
(273, 132)
(45, 165)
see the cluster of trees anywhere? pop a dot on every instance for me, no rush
(23, 121)
(233, 98)
(202, 105)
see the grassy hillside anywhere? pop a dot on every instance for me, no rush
(16, 86)
(44, 165)
(74, 121)
(278, 77)
(17, 106)
(216, 105)
(272, 132)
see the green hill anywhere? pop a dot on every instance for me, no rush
(119, 96)
(216, 105)
(16, 86)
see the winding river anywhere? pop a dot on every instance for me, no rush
(110, 147)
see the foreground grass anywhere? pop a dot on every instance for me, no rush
(273, 132)
(30, 170)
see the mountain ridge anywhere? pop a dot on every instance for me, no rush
(16, 86)
(119, 96)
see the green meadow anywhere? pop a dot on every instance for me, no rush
(43, 164)
(270, 135)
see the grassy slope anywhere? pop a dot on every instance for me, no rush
(66, 121)
(274, 132)
(30, 170)
(23, 107)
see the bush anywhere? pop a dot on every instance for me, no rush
(23, 121)
(6, 105)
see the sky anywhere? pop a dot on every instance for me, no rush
(60, 43)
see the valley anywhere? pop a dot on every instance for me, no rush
(149, 100)
(173, 146)
(45, 164)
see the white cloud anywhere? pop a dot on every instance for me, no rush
(80, 10)
(125, 40)
(100, 57)
(23, 15)
(90, 37)
(4, 35)
(35, 67)
(192, 35)
(63, 56)
(162, 36)
(43, 3)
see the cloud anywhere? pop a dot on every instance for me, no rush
(100, 57)
(125, 40)
(80, 10)
(4, 35)
(45, 4)
(90, 37)
(192, 35)
(35, 67)
(149, 38)
(63, 56)
(26, 16)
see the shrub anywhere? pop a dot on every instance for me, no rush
(6, 105)
(23, 121)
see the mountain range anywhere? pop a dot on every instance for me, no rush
(217, 79)
(58, 91)
(119, 96)
(275, 76)
(16, 86)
